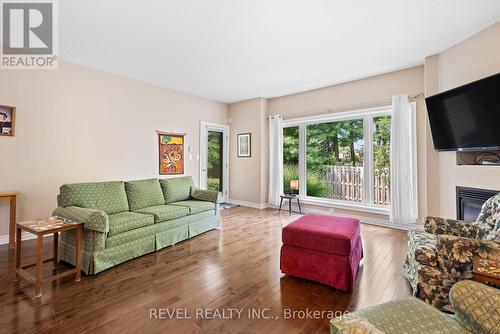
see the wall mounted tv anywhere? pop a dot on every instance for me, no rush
(467, 118)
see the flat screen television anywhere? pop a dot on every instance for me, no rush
(466, 118)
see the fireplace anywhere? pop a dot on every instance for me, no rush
(470, 201)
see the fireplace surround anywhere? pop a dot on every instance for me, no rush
(470, 200)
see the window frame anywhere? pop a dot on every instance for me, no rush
(367, 115)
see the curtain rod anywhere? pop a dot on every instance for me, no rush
(372, 104)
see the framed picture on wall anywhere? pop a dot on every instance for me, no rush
(7, 120)
(171, 153)
(244, 145)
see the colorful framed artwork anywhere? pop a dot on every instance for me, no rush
(7, 120)
(244, 145)
(171, 153)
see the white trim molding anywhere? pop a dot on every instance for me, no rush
(346, 205)
(4, 239)
(202, 180)
(253, 205)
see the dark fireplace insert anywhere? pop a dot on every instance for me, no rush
(470, 201)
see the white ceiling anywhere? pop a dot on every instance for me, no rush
(232, 50)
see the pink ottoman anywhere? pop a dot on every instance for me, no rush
(325, 249)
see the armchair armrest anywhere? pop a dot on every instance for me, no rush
(476, 306)
(205, 195)
(93, 219)
(456, 255)
(460, 228)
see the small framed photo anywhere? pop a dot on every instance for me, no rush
(244, 145)
(7, 120)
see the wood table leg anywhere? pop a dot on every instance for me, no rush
(298, 203)
(79, 237)
(12, 222)
(290, 205)
(18, 252)
(39, 265)
(281, 202)
(56, 248)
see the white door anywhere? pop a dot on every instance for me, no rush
(214, 158)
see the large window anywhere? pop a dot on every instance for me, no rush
(343, 158)
(290, 159)
(382, 159)
(334, 160)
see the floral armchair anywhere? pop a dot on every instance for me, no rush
(442, 253)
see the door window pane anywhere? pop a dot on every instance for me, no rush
(214, 161)
(334, 160)
(291, 159)
(382, 160)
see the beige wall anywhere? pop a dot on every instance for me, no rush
(470, 60)
(247, 181)
(365, 93)
(77, 124)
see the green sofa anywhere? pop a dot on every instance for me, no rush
(125, 220)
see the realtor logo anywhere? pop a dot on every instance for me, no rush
(28, 35)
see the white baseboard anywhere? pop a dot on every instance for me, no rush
(4, 239)
(248, 204)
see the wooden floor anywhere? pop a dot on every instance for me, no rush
(236, 267)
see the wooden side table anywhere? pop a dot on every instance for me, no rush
(40, 228)
(12, 197)
(486, 270)
(290, 198)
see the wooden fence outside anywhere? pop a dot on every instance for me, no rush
(346, 183)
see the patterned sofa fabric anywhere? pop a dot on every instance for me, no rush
(144, 194)
(408, 315)
(177, 188)
(444, 253)
(476, 306)
(113, 234)
(436, 225)
(205, 195)
(127, 221)
(109, 197)
(195, 206)
(164, 212)
(353, 325)
(456, 255)
(94, 220)
(489, 220)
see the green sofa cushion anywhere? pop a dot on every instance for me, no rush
(476, 306)
(109, 197)
(163, 213)
(177, 188)
(407, 315)
(132, 235)
(144, 194)
(127, 221)
(195, 206)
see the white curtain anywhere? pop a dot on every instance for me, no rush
(275, 158)
(404, 199)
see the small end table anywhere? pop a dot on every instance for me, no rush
(486, 270)
(40, 228)
(11, 196)
(290, 197)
